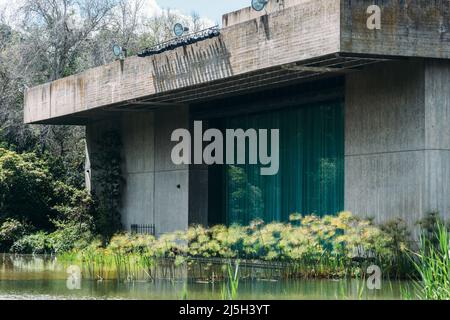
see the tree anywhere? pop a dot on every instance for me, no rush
(57, 30)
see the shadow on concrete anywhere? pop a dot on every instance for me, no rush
(198, 64)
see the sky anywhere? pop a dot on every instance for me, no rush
(211, 10)
(208, 9)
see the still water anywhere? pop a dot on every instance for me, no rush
(26, 277)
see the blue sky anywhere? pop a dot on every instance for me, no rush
(211, 9)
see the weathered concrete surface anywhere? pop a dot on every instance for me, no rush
(155, 191)
(298, 33)
(251, 45)
(397, 149)
(415, 28)
(437, 136)
(137, 132)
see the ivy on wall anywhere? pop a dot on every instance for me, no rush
(109, 183)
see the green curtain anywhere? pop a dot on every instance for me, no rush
(311, 175)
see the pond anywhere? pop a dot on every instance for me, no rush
(38, 277)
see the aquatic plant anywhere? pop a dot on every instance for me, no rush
(307, 247)
(231, 284)
(433, 264)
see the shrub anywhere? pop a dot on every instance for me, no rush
(37, 243)
(28, 191)
(25, 188)
(10, 231)
(70, 236)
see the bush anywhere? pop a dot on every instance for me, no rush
(70, 236)
(28, 191)
(10, 231)
(37, 243)
(67, 237)
(26, 188)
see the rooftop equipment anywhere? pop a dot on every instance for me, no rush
(259, 5)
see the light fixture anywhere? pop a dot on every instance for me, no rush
(179, 29)
(117, 50)
(259, 5)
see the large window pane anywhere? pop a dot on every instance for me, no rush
(311, 175)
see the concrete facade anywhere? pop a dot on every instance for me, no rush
(397, 103)
(397, 132)
(155, 190)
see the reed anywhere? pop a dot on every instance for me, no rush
(433, 264)
(231, 285)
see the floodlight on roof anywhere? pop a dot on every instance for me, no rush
(179, 29)
(117, 50)
(259, 5)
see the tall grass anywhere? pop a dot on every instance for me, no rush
(231, 285)
(433, 264)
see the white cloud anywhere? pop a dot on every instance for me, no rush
(152, 8)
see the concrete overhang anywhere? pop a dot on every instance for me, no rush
(291, 41)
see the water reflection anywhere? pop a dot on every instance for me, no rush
(27, 277)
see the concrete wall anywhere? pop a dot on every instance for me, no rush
(397, 151)
(155, 191)
(437, 136)
(414, 28)
(305, 31)
(397, 140)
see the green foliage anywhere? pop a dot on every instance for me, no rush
(332, 246)
(67, 237)
(29, 192)
(26, 188)
(37, 243)
(231, 285)
(10, 231)
(433, 264)
(107, 166)
(70, 236)
(398, 231)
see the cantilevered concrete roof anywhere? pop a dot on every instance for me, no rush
(291, 41)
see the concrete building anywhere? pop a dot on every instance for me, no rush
(363, 109)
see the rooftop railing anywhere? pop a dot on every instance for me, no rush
(181, 41)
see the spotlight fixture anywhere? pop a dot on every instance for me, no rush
(179, 30)
(117, 50)
(259, 5)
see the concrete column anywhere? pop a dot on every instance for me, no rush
(437, 137)
(398, 140)
(156, 191)
(171, 181)
(138, 140)
(385, 141)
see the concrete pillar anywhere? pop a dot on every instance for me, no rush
(398, 140)
(171, 181)
(437, 137)
(156, 190)
(138, 167)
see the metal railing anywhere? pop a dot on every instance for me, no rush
(143, 229)
(181, 41)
